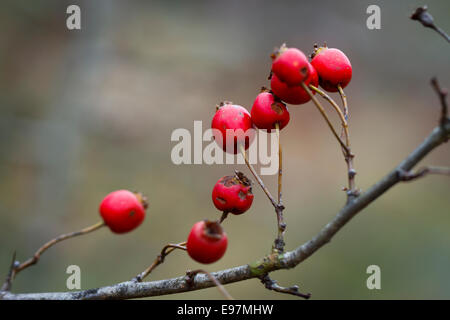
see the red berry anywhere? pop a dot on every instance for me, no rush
(333, 68)
(123, 210)
(290, 65)
(237, 120)
(294, 94)
(266, 112)
(233, 194)
(207, 242)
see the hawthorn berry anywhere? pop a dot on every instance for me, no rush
(123, 210)
(294, 94)
(267, 111)
(333, 67)
(207, 242)
(233, 194)
(233, 127)
(290, 65)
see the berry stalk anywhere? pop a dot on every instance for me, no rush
(160, 259)
(348, 156)
(279, 242)
(324, 114)
(257, 177)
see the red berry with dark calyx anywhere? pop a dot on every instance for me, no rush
(123, 210)
(333, 67)
(233, 194)
(290, 65)
(267, 111)
(207, 242)
(294, 94)
(232, 126)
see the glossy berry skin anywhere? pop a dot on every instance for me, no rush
(266, 112)
(333, 67)
(122, 210)
(290, 66)
(207, 242)
(238, 121)
(232, 195)
(294, 94)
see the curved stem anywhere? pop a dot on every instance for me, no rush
(351, 189)
(338, 110)
(349, 157)
(324, 114)
(160, 259)
(33, 260)
(344, 101)
(257, 177)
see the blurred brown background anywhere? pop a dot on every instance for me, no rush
(83, 113)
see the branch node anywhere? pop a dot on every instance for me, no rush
(190, 276)
(351, 173)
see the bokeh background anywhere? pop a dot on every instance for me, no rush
(83, 113)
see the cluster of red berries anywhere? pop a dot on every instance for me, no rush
(291, 73)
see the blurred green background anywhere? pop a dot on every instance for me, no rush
(83, 113)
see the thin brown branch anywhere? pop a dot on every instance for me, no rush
(422, 15)
(338, 110)
(273, 285)
(413, 175)
(33, 260)
(351, 172)
(352, 192)
(190, 279)
(325, 116)
(280, 163)
(279, 241)
(166, 250)
(442, 94)
(8, 282)
(344, 101)
(257, 177)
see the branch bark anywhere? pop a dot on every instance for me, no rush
(131, 289)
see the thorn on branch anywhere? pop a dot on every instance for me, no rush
(421, 14)
(273, 285)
